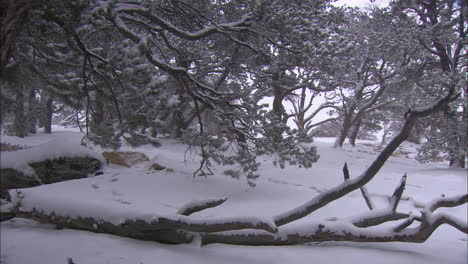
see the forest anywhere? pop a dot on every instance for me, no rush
(235, 81)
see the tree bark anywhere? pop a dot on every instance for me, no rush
(346, 126)
(49, 112)
(196, 207)
(176, 231)
(354, 132)
(46, 113)
(278, 108)
(32, 112)
(19, 123)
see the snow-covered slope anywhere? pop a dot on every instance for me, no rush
(137, 192)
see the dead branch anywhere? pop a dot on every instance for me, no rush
(345, 231)
(363, 189)
(396, 197)
(406, 223)
(378, 217)
(366, 196)
(328, 231)
(185, 230)
(346, 171)
(447, 202)
(137, 229)
(161, 223)
(324, 232)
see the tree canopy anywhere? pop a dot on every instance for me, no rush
(128, 72)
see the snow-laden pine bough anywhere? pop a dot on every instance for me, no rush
(250, 231)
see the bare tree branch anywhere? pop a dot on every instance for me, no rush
(145, 12)
(366, 196)
(396, 197)
(406, 223)
(364, 191)
(447, 202)
(378, 217)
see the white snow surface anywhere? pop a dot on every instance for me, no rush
(128, 193)
(53, 149)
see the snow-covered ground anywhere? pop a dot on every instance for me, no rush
(123, 193)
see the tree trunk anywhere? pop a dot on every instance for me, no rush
(354, 132)
(300, 115)
(46, 112)
(278, 109)
(344, 131)
(19, 123)
(186, 230)
(49, 112)
(32, 112)
(179, 123)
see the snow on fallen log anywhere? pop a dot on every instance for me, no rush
(94, 216)
(243, 231)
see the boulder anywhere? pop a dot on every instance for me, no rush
(9, 147)
(124, 158)
(49, 171)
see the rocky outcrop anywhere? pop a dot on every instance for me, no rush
(9, 147)
(49, 171)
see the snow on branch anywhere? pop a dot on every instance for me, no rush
(440, 219)
(165, 229)
(346, 231)
(196, 90)
(202, 33)
(331, 231)
(406, 223)
(252, 231)
(430, 221)
(197, 206)
(446, 202)
(378, 217)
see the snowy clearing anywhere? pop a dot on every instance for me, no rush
(137, 192)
